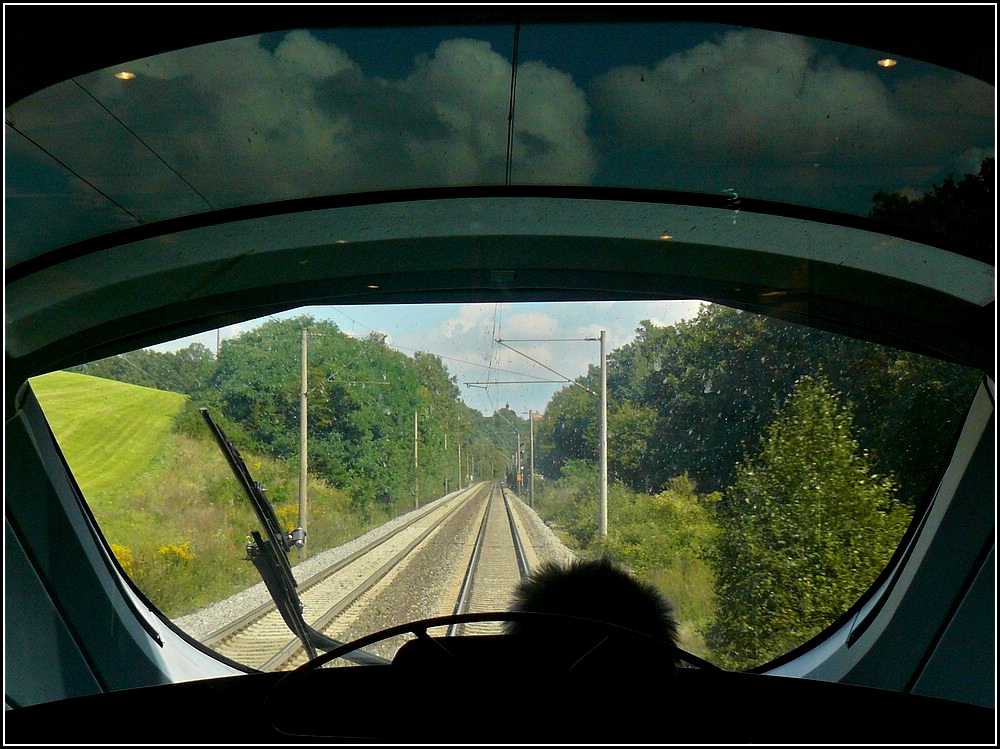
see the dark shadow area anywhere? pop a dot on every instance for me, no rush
(479, 690)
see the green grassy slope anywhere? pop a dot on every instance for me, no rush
(110, 432)
(167, 502)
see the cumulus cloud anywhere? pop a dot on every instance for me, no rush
(551, 143)
(531, 325)
(663, 314)
(773, 116)
(308, 120)
(751, 94)
(971, 160)
(469, 317)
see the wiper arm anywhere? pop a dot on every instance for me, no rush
(270, 555)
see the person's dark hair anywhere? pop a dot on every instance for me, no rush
(592, 589)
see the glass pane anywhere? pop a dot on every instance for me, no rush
(723, 111)
(760, 474)
(750, 113)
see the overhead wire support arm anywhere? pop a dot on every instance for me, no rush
(565, 378)
(513, 382)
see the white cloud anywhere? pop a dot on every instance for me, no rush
(309, 120)
(475, 317)
(210, 339)
(970, 160)
(752, 94)
(530, 325)
(551, 141)
(302, 54)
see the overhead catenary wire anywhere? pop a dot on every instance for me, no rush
(565, 378)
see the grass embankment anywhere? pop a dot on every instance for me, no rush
(167, 502)
(113, 430)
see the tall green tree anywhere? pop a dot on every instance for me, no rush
(363, 398)
(805, 530)
(570, 430)
(710, 384)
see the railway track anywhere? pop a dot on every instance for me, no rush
(497, 564)
(463, 554)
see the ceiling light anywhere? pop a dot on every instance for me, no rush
(886, 62)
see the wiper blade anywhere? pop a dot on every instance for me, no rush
(270, 555)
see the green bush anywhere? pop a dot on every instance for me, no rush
(806, 529)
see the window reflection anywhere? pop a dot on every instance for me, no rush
(685, 107)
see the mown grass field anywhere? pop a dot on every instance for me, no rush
(110, 432)
(167, 502)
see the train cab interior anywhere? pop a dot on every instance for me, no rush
(175, 170)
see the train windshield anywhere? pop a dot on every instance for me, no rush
(419, 460)
(592, 251)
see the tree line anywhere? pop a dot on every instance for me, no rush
(363, 398)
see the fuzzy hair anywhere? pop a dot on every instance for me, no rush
(595, 589)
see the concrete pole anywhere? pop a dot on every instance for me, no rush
(303, 460)
(603, 519)
(531, 479)
(416, 466)
(520, 467)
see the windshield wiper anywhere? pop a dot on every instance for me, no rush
(270, 555)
